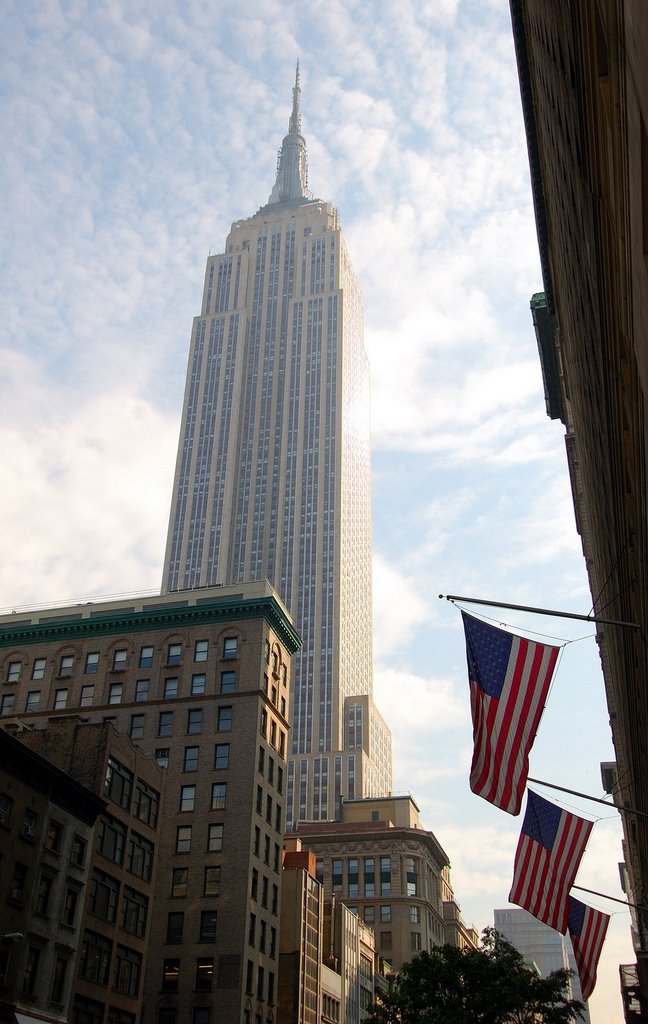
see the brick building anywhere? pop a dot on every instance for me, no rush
(199, 681)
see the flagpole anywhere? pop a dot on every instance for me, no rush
(541, 611)
(615, 899)
(586, 796)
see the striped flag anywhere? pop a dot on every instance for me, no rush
(587, 928)
(548, 854)
(509, 680)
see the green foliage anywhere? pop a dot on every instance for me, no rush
(490, 985)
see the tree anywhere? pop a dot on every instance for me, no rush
(490, 985)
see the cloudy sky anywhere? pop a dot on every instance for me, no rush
(134, 132)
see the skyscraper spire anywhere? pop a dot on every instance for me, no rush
(291, 184)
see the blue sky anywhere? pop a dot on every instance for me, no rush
(134, 134)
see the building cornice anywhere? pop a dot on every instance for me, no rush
(163, 616)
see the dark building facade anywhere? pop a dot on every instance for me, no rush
(583, 69)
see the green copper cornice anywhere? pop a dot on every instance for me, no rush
(160, 617)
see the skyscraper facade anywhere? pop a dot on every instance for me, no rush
(273, 471)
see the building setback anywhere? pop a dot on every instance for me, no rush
(392, 873)
(199, 682)
(273, 471)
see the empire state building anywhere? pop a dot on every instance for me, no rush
(272, 477)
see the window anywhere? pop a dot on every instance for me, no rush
(66, 665)
(54, 835)
(385, 940)
(221, 755)
(259, 800)
(174, 654)
(190, 763)
(248, 977)
(230, 647)
(415, 941)
(175, 927)
(385, 913)
(170, 975)
(30, 819)
(252, 929)
(228, 680)
(171, 688)
(119, 1016)
(183, 839)
(146, 657)
(167, 1015)
(211, 882)
(119, 783)
(134, 911)
(187, 798)
(207, 926)
(43, 894)
(200, 1015)
(70, 906)
(88, 1011)
(162, 756)
(111, 839)
(115, 693)
(336, 874)
(261, 760)
(128, 970)
(141, 690)
(7, 704)
(18, 881)
(273, 942)
(215, 838)
(201, 650)
(58, 979)
(385, 876)
(179, 878)
(369, 876)
(352, 877)
(6, 804)
(165, 723)
(224, 719)
(32, 701)
(411, 869)
(119, 660)
(104, 895)
(415, 915)
(140, 856)
(38, 670)
(275, 898)
(31, 970)
(370, 914)
(218, 795)
(92, 663)
(204, 974)
(60, 699)
(78, 854)
(95, 958)
(277, 852)
(87, 695)
(194, 722)
(198, 681)
(269, 809)
(13, 671)
(137, 727)
(147, 803)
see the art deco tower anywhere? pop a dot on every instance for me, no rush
(273, 471)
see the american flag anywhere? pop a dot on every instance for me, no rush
(548, 854)
(509, 680)
(587, 928)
